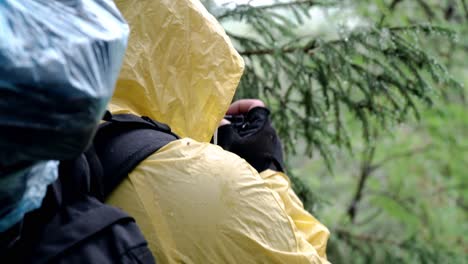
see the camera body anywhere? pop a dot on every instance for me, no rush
(238, 122)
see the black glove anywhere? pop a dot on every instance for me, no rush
(254, 139)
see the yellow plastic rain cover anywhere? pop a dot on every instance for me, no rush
(180, 67)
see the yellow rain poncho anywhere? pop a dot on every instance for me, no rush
(195, 202)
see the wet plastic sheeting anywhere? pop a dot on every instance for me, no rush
(59, 61)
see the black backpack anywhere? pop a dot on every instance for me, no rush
(73, 224)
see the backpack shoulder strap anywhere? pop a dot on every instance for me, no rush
(121, 143)
(61, 237)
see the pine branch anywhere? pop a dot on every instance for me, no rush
(308, 3)
(310, 47)
(427, 9)
(401, 155)
(243, 9)
(392, 7)
(377, 74)
(365, 172)
(431, 13)
(368, 167)
(259, 52)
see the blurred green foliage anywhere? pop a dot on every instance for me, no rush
(413, 207)
(414, 202)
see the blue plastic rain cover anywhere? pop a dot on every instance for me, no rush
(59, 61)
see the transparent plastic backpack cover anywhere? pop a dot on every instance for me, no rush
(59, 61)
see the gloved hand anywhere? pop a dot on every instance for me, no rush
(251, 136)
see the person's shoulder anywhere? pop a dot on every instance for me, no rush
(216, 156)
(194, 153)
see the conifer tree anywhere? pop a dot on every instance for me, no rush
(380, 64)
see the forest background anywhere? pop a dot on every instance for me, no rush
(368, 97)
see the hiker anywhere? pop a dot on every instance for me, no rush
(194, 201)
